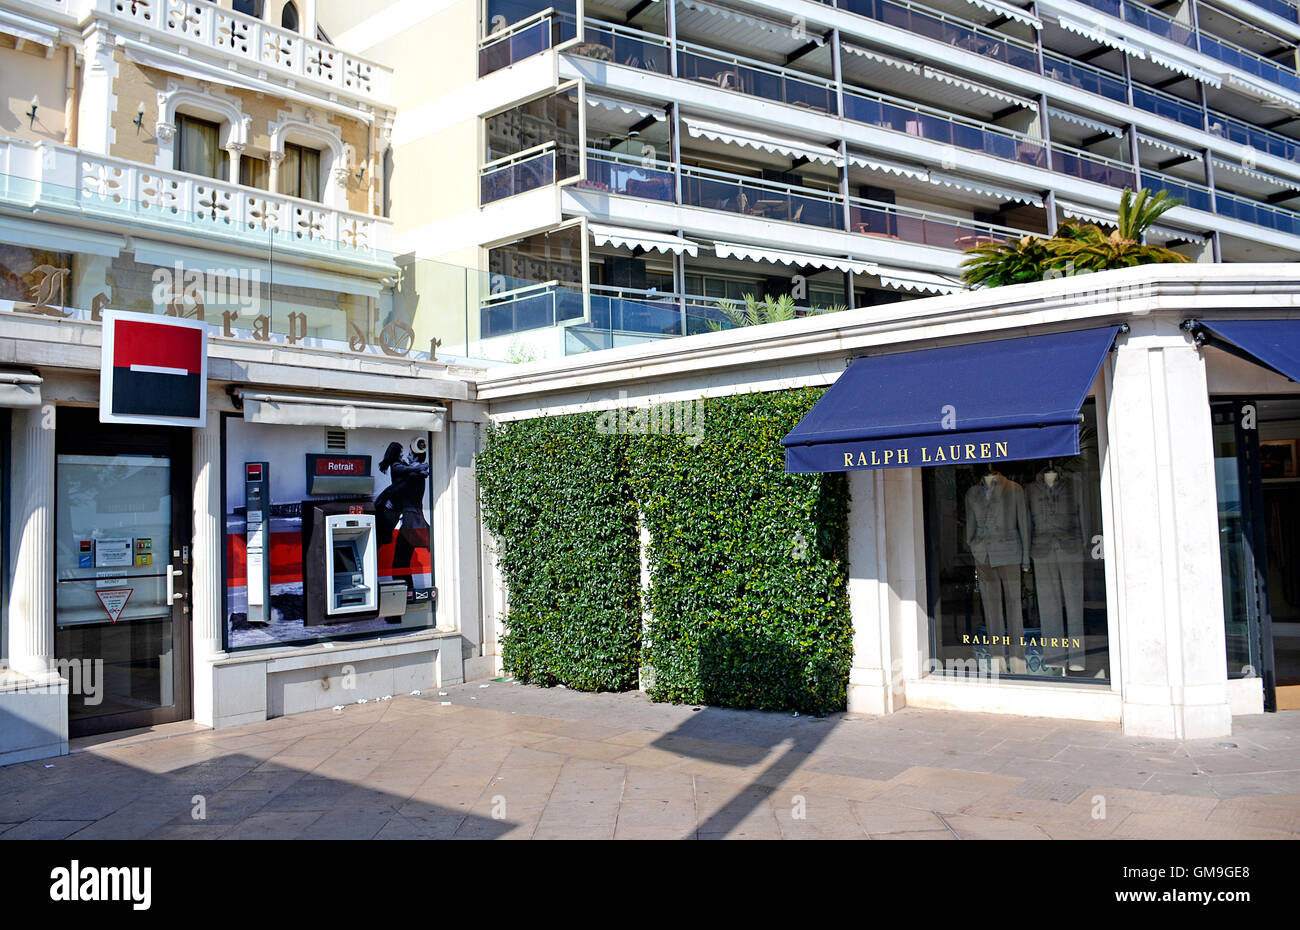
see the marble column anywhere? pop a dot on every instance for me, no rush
(31, 594)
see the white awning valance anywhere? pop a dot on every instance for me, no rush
(338, 412)
(1100, 36)
(981, 187)
(909, 66)
(1009, 11)
(1005, 96)
(20, 389)
(924, 282)
(622, 106)
(1084, 121)
(1169, 147)
(736, 16)
(1260, 92)
(1220, 165)
(619, 237)
(874, 163)
(1098, 215)
(753, 138)
(1182, 67)
(755, 253)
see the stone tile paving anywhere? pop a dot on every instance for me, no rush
(506, 761)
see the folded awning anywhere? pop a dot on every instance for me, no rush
(622, 106)
(1190, 154)
(338, 412)
(1084, 121)
(1184, 68)
(1007, 400)
(748, 19)
(1260, 92)
(983, 187)
(20, 389)
(905, 279)
(1096, 215)
(1273, 343)
(619, 237)
(1101, 37)
(909, 66)
(875, 163)
(1009, 11)
(753, 138)
(756, 253)
(936, 74)
(1236, 168)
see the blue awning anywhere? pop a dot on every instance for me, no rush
(997, 401)
(1276, 343)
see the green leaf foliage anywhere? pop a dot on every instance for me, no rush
(557, 498)
(748, 596)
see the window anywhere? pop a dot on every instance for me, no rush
(254, 172)
(1015, 568)
(249, 7)
(289, 16)
(300, 173)
(198, 148)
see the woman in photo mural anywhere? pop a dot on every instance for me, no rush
(400, 506)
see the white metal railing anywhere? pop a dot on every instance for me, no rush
(62, 177)
(244, 37)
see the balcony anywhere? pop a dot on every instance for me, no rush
(261, 46)
(528, 37)
(66, 180)
(517, 174)
(1199, 197)
(947, 29)
(770, 200)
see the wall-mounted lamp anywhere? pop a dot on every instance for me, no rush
(31, 114)
(139, 118)
(361, 175)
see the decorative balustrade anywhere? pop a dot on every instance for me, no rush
(61, 177)
(259, 43)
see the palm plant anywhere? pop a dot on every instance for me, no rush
(1076, 248)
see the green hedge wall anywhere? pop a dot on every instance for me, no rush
(749, 593)
(556, 496)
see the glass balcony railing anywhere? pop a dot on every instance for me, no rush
(517, 174)
(941, 27)
(946, 130)
(1261, 140)
(524, 39)
(1196, 196)
(633, 177)
(1164, 26)
(629, 310)
(1280, 8)
(715, 190)
(1088, 166)
(1256, 213)
(517, 306)
(886, 221)
(1250, 62)
(1162, 104)
(622, 46)
(1085, 77)
(747, 77)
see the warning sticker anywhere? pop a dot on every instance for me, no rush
(114, 600)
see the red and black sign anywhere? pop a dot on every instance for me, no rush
(339, 474)
(154, 370)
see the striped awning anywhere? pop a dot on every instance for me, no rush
(756, 253)
(651, 241)
(753, 138)
(1009, 11)
(924, 282)
(1100, 36)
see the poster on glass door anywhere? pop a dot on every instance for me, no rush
(324, 542)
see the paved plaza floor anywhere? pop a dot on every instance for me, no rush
(504, 760)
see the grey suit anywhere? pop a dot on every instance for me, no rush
(1058, 548)
(998, 532)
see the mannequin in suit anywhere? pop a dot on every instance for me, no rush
(1059, 543)
(997, 534)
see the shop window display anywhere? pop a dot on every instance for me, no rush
(1015, 567)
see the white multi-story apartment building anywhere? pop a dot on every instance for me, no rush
(620, 166)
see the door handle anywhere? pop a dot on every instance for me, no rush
(172, 574)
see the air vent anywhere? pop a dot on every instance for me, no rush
(336, 440)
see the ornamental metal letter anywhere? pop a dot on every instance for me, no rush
(52, 280)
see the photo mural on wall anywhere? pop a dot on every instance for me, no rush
(383, 475)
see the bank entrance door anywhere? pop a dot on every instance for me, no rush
(122, 573)
(1257, 471)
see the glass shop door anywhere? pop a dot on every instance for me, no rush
(122, 570)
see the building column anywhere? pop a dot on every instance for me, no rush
(273, 180)
(1173, 660)
(456, 549)
(876, 601)
(206, 559)
(31, 594)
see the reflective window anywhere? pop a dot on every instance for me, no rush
(1015, 566)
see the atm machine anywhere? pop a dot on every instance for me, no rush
(340, 571)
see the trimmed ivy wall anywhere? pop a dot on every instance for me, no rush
(748, 598)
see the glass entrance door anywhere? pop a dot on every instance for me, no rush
(1258, 482)
(121, 569)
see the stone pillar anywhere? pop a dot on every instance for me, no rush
(235, 150)
(206, 559)
(1160, 457)
(31, 595)
(456, 553)
(875, 678)
(273, 181)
